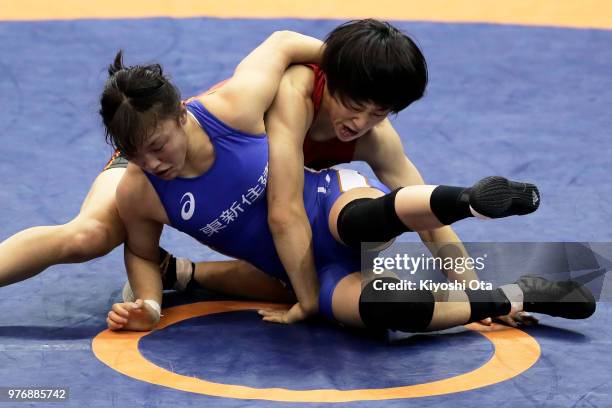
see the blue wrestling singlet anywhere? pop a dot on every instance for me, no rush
(226, 207)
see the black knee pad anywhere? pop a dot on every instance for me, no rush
(370, 220)
(450, 204)
(487, 303)
(383, 307)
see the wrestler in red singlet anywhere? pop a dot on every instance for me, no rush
(317, 155)
(321, 155)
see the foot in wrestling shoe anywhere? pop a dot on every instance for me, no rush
(568, 299)
(497, 197)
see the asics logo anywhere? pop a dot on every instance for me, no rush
(535, 197)
(187, 206)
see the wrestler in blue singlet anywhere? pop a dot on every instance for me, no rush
(226, 207)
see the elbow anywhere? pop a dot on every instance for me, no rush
(284, 42)
(279, 221)
(282, 219)
(282, 36)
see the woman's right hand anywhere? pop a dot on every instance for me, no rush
(130, 316)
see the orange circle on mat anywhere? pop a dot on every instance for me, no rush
(515, 352)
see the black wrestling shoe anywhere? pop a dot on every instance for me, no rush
(568, 299)
(497, 197)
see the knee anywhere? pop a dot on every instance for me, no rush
(385, 304)
(370, 220)
(87, 239)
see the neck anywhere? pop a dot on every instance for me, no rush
(321, 128)
(200, 152)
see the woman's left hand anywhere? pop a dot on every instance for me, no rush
(293, 315)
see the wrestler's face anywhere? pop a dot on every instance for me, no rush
(352, 120)
(164, 152)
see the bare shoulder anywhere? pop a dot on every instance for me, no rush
(130, 188)
(222, 103)
(380, 144)
(136, 197)
(300, 78)
(232, 104)
(385, 133)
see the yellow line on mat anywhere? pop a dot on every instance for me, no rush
(564, 13)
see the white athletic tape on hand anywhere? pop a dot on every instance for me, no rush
(155, 306)
(127, 294)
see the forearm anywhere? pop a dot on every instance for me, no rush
(293, 240)
(145, 281)
(298, 48)
(287, 122)
(281, 49)
(444, 243)
(144, 276)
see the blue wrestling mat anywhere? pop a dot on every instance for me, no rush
(529, 103)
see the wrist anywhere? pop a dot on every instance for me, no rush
(310, 308)
(154, 310)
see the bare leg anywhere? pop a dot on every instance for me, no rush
(413, 208)
(451, 308)
(411, 203)
(422, 310)
(239, 278)
(424, 208)
(94, 232)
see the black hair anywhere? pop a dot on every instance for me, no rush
(133, 101)
(372, 61)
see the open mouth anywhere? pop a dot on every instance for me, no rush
(347, 133)
(164, 173)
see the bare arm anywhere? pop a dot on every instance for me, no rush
(256, 79)
(140, 251)
(382, 149)
(287, 122)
